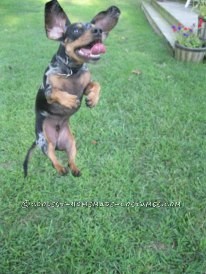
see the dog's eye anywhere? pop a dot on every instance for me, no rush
(77, 31)
(88, 25)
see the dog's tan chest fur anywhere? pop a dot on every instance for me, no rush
(74, 84)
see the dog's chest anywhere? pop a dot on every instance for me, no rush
(74, 84)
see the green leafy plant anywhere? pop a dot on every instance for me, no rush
(200, 7)
(187, 37)
(202, 11)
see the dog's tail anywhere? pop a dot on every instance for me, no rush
(28, 155)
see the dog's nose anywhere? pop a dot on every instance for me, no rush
(97, 31)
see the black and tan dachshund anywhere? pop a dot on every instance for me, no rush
(67, 79)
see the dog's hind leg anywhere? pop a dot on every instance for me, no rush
(71, 152)
(52, 156)
(51, 134)
(66, 142)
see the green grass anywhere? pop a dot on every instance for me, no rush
(145, 141)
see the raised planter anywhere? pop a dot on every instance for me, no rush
(189, 54)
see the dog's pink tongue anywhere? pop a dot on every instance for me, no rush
(98, 48)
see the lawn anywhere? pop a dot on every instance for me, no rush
(141, 151)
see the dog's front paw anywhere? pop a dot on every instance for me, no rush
(93, 93)
(63, 98)
(71, 101)
(92, 99)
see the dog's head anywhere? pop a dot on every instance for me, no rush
(83, 41)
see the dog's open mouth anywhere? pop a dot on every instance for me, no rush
(92, 51)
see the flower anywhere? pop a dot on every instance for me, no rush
(186, 36)
(200, 22)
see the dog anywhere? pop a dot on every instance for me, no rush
(66, 80)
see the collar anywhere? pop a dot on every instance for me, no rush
(66, 67)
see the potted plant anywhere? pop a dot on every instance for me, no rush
(188, 46)
(202, 21)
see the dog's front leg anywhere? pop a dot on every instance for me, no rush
(54, 95)
(93, 93)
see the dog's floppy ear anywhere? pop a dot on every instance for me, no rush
(107, 20)
(56, 20)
